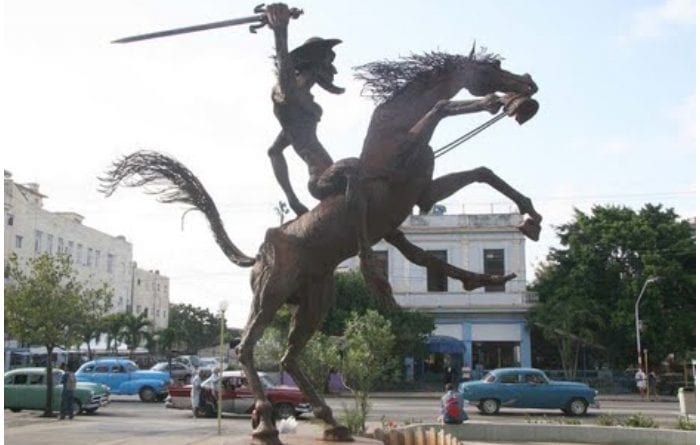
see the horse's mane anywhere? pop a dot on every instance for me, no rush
(385, 79)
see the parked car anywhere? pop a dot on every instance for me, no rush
(527, 388)
(124, 377)
(176, 370)
(25, 388)
(237, 398)
(209, 363)
(190, 360)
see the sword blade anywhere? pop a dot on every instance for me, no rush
(194, 28)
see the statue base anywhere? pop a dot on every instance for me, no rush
(285, 439)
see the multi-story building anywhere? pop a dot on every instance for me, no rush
(150, 295)
(97, 257)
(488, 324)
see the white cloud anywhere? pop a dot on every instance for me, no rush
(684, 116)
(653, 21)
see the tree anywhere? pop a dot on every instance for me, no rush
(366, 359)
(113, 326)
(593, 281)
(44, 306)
(410, 328)
(99, 302)
(195, 328)
(134, 329)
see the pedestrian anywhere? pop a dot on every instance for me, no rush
(196, 392)
(68, 382)
(652, 383)
(212, 383)
(452, 406)
(641, 378)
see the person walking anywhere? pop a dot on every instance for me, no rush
(641, 378)
(68, 382)
(196, 392)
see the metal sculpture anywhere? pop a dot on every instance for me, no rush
(370, 198)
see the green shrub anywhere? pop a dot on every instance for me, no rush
(608, 419)
(686, 424)
(353, 419)
(641, 421)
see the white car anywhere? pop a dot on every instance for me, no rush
(209, 363)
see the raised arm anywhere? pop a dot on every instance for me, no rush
(278, 15)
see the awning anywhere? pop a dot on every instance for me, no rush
(444, 344)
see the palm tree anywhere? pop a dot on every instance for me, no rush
(113, 326)
(134, 330)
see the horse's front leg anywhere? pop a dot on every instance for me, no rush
(447, 185)
(423, 130)
(416, 255)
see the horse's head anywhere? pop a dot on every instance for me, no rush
(483, 75)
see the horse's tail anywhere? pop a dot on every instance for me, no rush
(176, 184)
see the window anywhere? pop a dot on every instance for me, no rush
(18, 242)
(138, 308)
(494, 264)
(138, 281)
(10, 219)
(38, 236)
(509, 378)
(20, 379)
(382, 257)
(89, 257)
(60, 248)
(69, 250)
(101, 368)
(97, 259)
(437, 280)
(79, 254)
(36, 379)
(49, 244)
(110, 263)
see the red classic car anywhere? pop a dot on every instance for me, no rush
(238, 399)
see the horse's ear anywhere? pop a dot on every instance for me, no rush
(472, 54)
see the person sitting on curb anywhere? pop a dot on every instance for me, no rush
(452, 406)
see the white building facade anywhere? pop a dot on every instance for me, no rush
(490, 322)
(98, 258)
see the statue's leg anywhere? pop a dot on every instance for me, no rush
(279, 167)
(346, 174)
(271, 280)
(446, 185)
(416, 255)
(315, 300)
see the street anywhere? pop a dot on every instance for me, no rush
(127, 417)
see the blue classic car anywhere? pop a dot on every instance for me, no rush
(124, 377)
(527, 388)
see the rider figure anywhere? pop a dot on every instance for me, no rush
(297, 72)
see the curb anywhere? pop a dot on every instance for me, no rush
(506, 432)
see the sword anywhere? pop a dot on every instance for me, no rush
(260, 19)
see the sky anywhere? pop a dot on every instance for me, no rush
(616, 124)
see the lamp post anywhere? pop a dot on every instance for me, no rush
(636, 319)
(222, 310)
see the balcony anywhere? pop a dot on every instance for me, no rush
(477, 301)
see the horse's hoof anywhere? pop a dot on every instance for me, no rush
(266, 437)
(530, 228)
(337, 434)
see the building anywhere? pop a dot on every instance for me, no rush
(97, 257)
(486, 326)
(151, 295)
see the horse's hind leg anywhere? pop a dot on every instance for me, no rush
(271, 285)
(446, 185)
(416, 255)
(314, 301)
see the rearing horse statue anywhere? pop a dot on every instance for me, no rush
(296, 261)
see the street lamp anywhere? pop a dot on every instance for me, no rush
(222, 310)
(636, 319)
